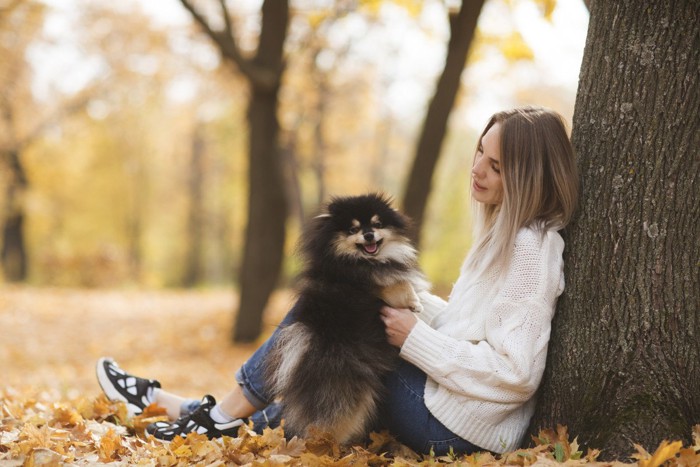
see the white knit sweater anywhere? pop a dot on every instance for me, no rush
(484, 350)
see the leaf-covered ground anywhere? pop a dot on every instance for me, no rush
(52, 411)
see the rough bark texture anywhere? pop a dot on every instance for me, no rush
(415, 198)
(624, 358)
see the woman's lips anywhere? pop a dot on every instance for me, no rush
(477, 187)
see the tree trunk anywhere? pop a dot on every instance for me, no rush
(267, 213)
(195, 220)
(624, 359)
(267, 204)
(14, 253)
(415, 198)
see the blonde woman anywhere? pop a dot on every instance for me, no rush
(470, 366)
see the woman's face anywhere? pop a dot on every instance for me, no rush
(487, 184)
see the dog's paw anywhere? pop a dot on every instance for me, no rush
(416, 307)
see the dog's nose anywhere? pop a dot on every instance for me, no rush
(369, 236)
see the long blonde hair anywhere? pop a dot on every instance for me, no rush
(540, 184)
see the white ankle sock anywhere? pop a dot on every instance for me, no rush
(219, 416)
(170, 402)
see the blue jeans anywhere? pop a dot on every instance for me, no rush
(403, 411)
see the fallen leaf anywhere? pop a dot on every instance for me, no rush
(43, 457)
(110, 446)
(663, 453)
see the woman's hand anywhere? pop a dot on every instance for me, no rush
(399, 322)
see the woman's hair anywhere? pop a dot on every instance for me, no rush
(540, 183)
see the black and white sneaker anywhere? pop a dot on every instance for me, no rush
(118, 385)
(198, 421)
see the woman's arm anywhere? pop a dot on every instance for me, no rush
(432, 306)
(507, 365)
(504, 367)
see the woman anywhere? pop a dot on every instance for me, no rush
(470, 366)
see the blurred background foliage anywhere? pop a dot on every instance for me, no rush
(132, 135)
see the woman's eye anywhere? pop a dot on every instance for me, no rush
(354, 230)
(496, 169)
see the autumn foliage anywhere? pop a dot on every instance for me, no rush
(52, 413)
(41, 431)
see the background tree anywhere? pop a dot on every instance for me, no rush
(22, 122)
(418, 187)
(15, 102)
(623, 360)
(194, 272)
(306, 108)
(267, 204)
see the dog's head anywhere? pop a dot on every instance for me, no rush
(364, 228)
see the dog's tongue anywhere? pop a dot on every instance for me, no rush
(371, 248)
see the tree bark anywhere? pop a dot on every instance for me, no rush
(624, 359)
(267, 213)
(418, 187)
(267, 204)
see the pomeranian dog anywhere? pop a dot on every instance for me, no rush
(327, 366)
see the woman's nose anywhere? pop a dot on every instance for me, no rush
(478, 169)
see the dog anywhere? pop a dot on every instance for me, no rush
(327, 367)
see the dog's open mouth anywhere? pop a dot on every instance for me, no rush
(371, 248)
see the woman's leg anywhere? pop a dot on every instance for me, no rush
(249, 398)
(174, 405)
(138, 393)
(236, 404)
(406, 416)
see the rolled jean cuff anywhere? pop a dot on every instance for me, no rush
(189, 406)
(255, 398)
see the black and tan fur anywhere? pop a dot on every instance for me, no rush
(327, 366)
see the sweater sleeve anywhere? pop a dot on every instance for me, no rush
(432, 306)
(507, 365)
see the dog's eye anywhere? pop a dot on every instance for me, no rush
(377, 225)
(354, 230)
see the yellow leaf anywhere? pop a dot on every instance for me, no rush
(151, 414)
(663, 453)
(167, 460)
(689, 457)
(547, 7)
(592, 455)
(103, 408)
(199, 444)
(515, 48)
(521, 457)
(183, 451)
(110, 446)
(66, 416)
(293, 448)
